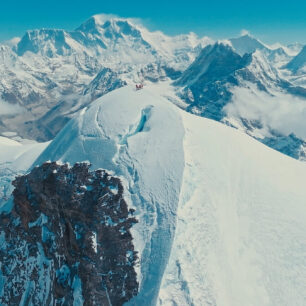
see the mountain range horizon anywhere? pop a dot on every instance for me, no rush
(149, 24)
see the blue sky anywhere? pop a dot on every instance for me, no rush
(269, 20)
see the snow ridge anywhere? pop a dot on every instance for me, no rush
(221, 216)
(121, 132)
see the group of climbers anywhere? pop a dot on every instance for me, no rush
(139, 86)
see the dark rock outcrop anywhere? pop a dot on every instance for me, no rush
(290, 145)
(67, 240)
(206, 82)
(105, 81)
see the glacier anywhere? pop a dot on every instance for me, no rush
(221, 216)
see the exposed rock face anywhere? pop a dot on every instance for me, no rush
(105, 81)
(290, 145)
(206, 82)
(67, 239)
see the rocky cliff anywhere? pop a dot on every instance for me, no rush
(67, 240)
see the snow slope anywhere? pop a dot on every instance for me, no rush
(240, 223)
(139, 137)
(234, 209)
(298, 63)
(247, 93)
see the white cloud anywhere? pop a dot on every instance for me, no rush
(281, 112)
(10, 109)
(244, 32)
(102, 18)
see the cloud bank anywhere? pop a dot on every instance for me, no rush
(281, 112)
(10, 109)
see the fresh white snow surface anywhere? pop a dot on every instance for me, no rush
(234, 209)
(240, 235)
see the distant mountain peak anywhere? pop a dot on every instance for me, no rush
(54, 41)
(105, 21)
(298, 62)
(214, 62)
(247, 44)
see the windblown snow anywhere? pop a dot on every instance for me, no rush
(222, 217)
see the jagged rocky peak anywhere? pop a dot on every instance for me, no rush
(46, 41)
(214, 62)
(105, 81)
(205, 84)
(67, 239)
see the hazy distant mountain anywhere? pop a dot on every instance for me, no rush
(298, 63)
(246, 44)
(240, 90)
(49, 67)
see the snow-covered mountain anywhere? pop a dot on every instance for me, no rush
(49, 75)
(298, 63)
(48, 67)
(220, 216)
(243, 91)
(295, 69)
(277, 55)
(246, 44)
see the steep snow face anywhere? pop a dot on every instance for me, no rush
(214, 62)
(279, 57)
(105, 81)
(298, 63)
(246, 44)
(46, 42)
(138, 136)
(294, 49)
(204, 85)
(240, 229)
